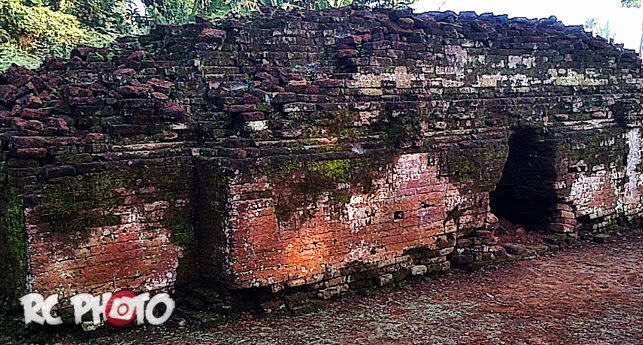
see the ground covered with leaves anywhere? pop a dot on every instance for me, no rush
(592, 294)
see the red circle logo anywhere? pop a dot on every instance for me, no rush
(120, 310)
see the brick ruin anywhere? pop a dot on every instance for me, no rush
(311, 151)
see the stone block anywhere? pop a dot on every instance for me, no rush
(418, 270)
(384, 279)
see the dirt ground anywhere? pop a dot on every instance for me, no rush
(592, 294)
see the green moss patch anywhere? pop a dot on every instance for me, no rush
(211, 197)
(67, 205)
(593, 147)
(72, 204)
(402, 128)
(299, 183)
(13, 255)
(478, 168)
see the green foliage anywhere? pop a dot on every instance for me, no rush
(305, 4)
(600, 29)
(175, 11)
(104, 16)
(631, 3)
(34, 27)
(10, 54)
(385, 3)
(32, 30)
(184, 11)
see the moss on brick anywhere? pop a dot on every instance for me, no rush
(306, 181)
(67, 205)
(340, 125)
(479, 168)
(179, 222)
(592, 147)
(210, 196)
(334, 170)
(402, 128)
(72, 204)
(13, 254)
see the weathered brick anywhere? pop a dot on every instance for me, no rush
(309, 156)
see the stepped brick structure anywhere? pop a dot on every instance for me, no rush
(311, 151)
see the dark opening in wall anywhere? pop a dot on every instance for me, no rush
(525, 192)
(209, 222)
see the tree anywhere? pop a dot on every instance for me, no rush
(631, 3)
(636, 4)
(600, 29)
(30, 30)
(183, 11)
(33, 29)
(105, 16)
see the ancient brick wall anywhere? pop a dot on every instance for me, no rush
(95, 157)
(327, 149)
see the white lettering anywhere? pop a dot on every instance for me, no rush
(50, 302)
(82, 303)
(32, 303)
(158, 299)
(39, 310)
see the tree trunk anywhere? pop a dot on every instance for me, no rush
(641, 43)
